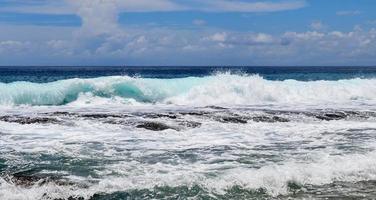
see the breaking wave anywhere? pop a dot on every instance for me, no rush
(220, 89)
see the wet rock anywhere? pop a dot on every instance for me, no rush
(28, 120)
(155, 126)
(190, 124)
(116, 122)
(294, 187)
(102, 116)
(362, 115)
(30, 180)
(156, 116)
(27, 181)
(269, 119)
(74, 198)
(331, 116)
(195, 113)
(61, 113)
(216, 107)
(236, 120)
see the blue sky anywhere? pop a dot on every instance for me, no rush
(188, 32)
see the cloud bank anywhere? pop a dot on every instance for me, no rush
(187, 47)
(101, 40)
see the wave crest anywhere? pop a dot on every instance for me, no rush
(220, 89)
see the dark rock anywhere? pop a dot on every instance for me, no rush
(190, 124)
(237, 120)
(269, 119)
(28, 120)
(27, 181)
(155, 126)
(115, 122)
(216, 107)
(102, 116)
(194, 113)
(331, 116)
(280, 119)
(61, 113)
(30, 180)
(156, 116)
(294, 187)
(73, 198)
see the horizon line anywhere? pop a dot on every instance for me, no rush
(184, 66)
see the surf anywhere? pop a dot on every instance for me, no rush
(218, 89)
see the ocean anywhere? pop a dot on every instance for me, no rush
(101, 133)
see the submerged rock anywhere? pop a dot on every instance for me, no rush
(24, 180)
(198, 113)
(156, 115)
(190, 124)
(155, 126)
(237, 120)
(28, 120)
(102, 115)
(331, 116)
(62, 113)
(27, 181)
(75, 198)
(216, 107)
(269, 119)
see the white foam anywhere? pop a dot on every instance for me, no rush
(228, 89)
(325, 169)
(315, 159)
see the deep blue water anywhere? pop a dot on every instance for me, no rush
(48, 74)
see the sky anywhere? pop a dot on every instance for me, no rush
(188, 32)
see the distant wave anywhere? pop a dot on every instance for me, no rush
(220, 89)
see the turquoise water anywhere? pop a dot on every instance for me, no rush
(222, 88)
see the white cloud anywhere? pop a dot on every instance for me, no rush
(60, 47)
(98, 16)
(204, 46)
(14, 47)
(338, 34)
(218, 37)
(335, 46)
(312, 47)
(317, 25)
(10, 44)
(310, 35)
(262, 38)
(232, 39)
(101, 16)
